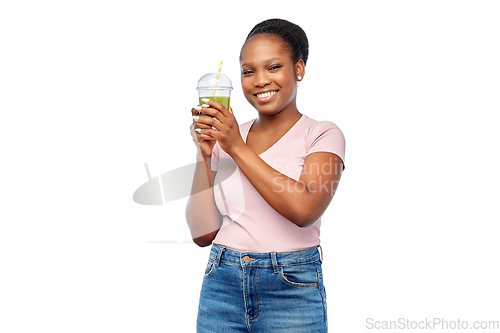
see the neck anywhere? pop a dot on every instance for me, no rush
(283, 119)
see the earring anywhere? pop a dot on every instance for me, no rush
(299, 77)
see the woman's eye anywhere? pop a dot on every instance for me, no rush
(274, 67)
(246, 72)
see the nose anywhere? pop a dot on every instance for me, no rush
(261, 79)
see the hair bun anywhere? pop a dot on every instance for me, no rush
(293, 35)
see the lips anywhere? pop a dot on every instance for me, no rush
(265, 96)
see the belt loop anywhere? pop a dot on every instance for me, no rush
(275, 263)
(321, 253)
(217, 260)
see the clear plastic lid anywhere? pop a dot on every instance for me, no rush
(207, 81)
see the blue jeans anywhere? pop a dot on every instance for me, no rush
(262, 292)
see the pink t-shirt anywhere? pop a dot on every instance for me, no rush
(250, 224)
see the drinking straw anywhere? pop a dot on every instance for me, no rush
(217, 78)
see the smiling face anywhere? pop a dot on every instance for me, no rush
(268, 74)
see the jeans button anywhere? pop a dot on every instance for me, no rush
(246, 258)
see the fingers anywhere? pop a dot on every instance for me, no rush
(205, 134)
(201, 137)
(204, 121)
(201, 125)
(194, 112)
(208, 119)
(205, 109)
(200, 132)
(196, 132)
(216, 105)
(204, 137)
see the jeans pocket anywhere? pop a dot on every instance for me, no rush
(303, 275)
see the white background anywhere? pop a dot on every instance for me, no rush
(92, 90)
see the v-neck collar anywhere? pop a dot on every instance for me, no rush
(280, 139)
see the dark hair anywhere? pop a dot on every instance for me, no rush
(291, 34)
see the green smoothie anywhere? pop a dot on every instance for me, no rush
(224, 100)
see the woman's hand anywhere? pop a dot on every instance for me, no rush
(226, 132)
(203, 142)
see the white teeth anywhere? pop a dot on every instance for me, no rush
(266, 94)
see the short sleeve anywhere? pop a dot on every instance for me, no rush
(326, 137)
(214, 165)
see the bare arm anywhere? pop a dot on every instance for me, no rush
(303, 201)
(203, 217)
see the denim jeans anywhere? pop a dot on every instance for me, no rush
(262, 292)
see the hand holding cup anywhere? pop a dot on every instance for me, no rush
(217, 122)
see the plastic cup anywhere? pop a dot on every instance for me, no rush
(217, 90)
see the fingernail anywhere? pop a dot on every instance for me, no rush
(197, 107)
(205, 105)
(198, 130)
(216, 119)
(205, 100)
(196, 117)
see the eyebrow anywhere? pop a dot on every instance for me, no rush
(268, 60)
